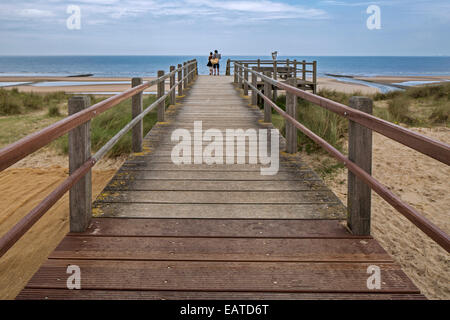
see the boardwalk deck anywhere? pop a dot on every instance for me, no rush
(216, 232)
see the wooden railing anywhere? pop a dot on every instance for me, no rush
(359, 161)
(280, 69)
(77, 124)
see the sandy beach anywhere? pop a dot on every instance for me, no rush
(82, 88)
(421, 181)
(323, 83)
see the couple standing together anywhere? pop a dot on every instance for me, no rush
(213, 63)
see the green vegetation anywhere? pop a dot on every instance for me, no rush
(419, 106)
(24, 113)
(106, 125)
(53, 111)
(13, 102)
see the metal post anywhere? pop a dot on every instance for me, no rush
(161, 91)
(136, 109)
(80, 194)
(359, 152)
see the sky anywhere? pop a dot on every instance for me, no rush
(249, 27)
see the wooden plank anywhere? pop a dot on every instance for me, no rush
(253, 228)
(64, 294)
(222, 276)
(216, 176)
(220, 249)
(223, 197)
(222, 211)
(183, 185)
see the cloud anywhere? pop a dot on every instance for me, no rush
(35, 13)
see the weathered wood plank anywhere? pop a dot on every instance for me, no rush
(216, 176)
(64, 294)
(220, 249)
(225, 197)
(222, 211)
(222, 276)
(183, 185)
(244, 228)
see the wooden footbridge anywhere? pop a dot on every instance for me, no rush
(218, 231)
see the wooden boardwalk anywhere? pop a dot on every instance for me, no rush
(216, 232)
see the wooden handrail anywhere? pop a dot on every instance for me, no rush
(15, 233)
(418, 142)
(432, 148)
(22, 148)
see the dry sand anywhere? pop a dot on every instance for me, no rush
(21, 188)
(419, 180)
(323, 83)
(75, 88)
(424, 183)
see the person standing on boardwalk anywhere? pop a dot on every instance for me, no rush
(210, 65)
(215, 61)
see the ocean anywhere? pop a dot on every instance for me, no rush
(146, 66)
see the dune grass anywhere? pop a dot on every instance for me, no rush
(14, 102)
(106, 125)
(24, 113)
(419, 106)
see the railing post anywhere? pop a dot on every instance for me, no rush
(228, 71)
(359, 152)
(291, 109)
(161, 92)
(254, 84)
(314, 76)
(80, 194)
(235, 73)
(275, 77)
(136, 109)
(188, 69)
(295, 68)
(241, 75)
(179, 77)
(303, 70)
(246, 79)
(172, 83)
(288, 72)
(196, 68)
(185, 81)
(259, 65)
(268, 94)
